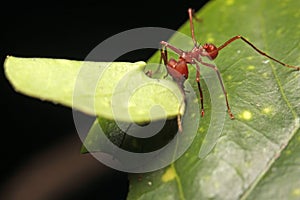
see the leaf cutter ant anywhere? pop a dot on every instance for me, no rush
(178, 69)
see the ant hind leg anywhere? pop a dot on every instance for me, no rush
(222, 85)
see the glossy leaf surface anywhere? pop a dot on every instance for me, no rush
(257, 154)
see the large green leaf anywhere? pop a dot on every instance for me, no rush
(117, 90)
(257, 155)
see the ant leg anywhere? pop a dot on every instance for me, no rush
(179, 117)
(195, 17)
(222, 85)
(149, 73)
(164, 57)
(256, 49)
(179, 122)
(190, 11)
(176, 50)
(199, 88)
(124, 135)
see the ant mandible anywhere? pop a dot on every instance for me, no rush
(178, 69)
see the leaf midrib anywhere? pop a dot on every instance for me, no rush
(178, 182)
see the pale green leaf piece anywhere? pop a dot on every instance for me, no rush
(113, 90)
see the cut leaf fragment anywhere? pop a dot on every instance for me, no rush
(113, 90)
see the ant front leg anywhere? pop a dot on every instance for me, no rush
(174, 49)
(199, 88)
(256, 49)
(222, 85)
(164, 57)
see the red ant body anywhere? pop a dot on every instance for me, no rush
(178, 70)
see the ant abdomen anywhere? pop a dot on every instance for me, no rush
(178, 69)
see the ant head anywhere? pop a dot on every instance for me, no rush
(211, 50)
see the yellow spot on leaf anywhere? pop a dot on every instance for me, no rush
(288, 152)
(210, 40)
(249, 58)
(265, 75)
(279, 31)
(201, 130)
(296, 192)
(229, 2)
(251, 67)
(267, 110)
(246, 115)
(169, 175)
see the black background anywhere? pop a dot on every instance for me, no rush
(32, 129)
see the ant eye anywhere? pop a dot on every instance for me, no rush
(212, 50)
